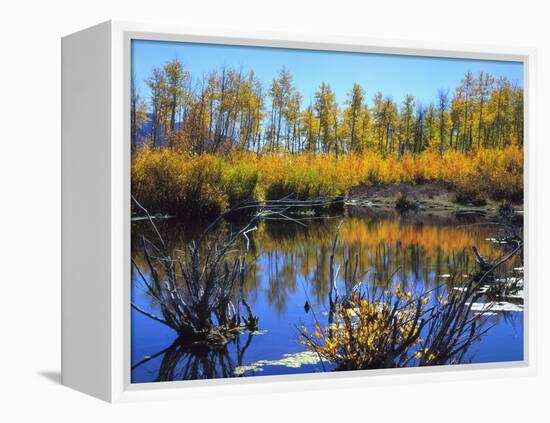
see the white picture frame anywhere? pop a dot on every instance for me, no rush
(96, 213)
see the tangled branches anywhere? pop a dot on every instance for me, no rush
(398, 328)
(200, 290)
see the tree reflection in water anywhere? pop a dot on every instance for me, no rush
(291, 265)
(181, 361)
(386, 247)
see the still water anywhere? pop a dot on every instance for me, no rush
(291, 267)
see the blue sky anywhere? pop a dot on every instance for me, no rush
(393, 75)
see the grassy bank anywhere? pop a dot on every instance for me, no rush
(179, 183)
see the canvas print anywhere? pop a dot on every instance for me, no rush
(302, 211)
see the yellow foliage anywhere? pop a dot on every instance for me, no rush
(365, 333)
(177, 182)
(169, 182)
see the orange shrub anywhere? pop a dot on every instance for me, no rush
(176, 182)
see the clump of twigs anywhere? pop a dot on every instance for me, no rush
(500, 288)
(200, 290)
(395, 327)
(506, 289)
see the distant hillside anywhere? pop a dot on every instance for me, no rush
(145, 131)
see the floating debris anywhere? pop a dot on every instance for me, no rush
(496, 240)
(240, 370)
(294, 361)
(481, 290)
(516, 296)
(494, 308)
(509, 288)
(259, 332)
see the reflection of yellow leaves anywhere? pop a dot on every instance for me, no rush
(170, 178)
(430, 238)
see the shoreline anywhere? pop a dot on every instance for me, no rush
(429, 197)
(423, 199)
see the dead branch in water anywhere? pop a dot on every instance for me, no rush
(368, 330)
(200, 289)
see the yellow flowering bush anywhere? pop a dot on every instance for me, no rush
(367, 333)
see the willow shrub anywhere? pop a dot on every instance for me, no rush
(497, 174)
(179, 183)
(240, 181)
(302, 176)
(175, 183)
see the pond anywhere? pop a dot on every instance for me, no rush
(291, 269)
